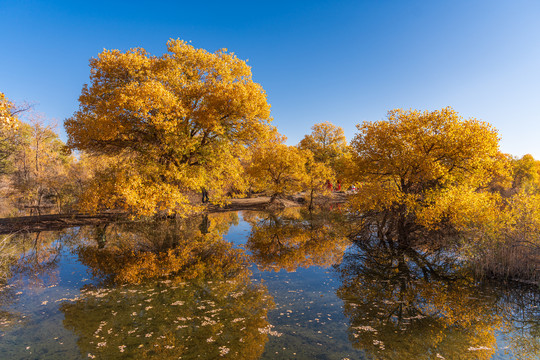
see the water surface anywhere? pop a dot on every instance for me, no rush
(251, 286)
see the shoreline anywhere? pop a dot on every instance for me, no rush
(52, 222)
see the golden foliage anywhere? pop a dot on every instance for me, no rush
(172, 124)
(526, 172)
(428, 167)
(327, 142)
(8, 121)
(9, 125)
(277, 168)
(316, 176)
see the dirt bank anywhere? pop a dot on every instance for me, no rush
(62, 221)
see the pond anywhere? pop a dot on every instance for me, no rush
(251, 285)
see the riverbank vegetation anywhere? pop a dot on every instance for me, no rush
(154, 132)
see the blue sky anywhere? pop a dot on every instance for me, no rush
(338, 61)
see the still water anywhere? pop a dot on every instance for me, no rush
(250, 285)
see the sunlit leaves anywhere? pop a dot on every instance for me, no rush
(327, 143)
(8, 131)
(276, 168)
(173, 124)
(422, 164)
(8, 120)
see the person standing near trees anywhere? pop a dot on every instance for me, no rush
(328, 185)
(205, 198)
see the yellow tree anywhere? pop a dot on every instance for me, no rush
(526, 172)
(9, 123)
(40, 163)
(171, 124)
(328, 145)
(327, 142)
(317, 174)
(424, 170)
(277, 168)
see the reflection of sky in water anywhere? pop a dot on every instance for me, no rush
(39, 333)
(309, 321)
(308, 313)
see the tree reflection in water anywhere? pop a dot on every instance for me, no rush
(185, 293)
(170, 289)
(523, 321)
(296, 238)
(186, 248)
(404, 302)
(31, 258)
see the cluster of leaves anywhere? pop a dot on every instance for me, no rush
(172, 124)
(8, 111)
(326, 141)
(8, 126)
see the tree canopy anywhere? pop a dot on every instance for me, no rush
(327, 142)
(277, 168)
(424, 168)
(171, 124)
(8, 124)
(8, 111)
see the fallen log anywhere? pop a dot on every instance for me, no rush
(54, 222)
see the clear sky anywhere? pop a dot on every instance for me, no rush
(338, 61)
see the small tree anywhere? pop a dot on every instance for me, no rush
(526, 172)
(277, 169)
(327, 142)
(40, 165)
(317, 174)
